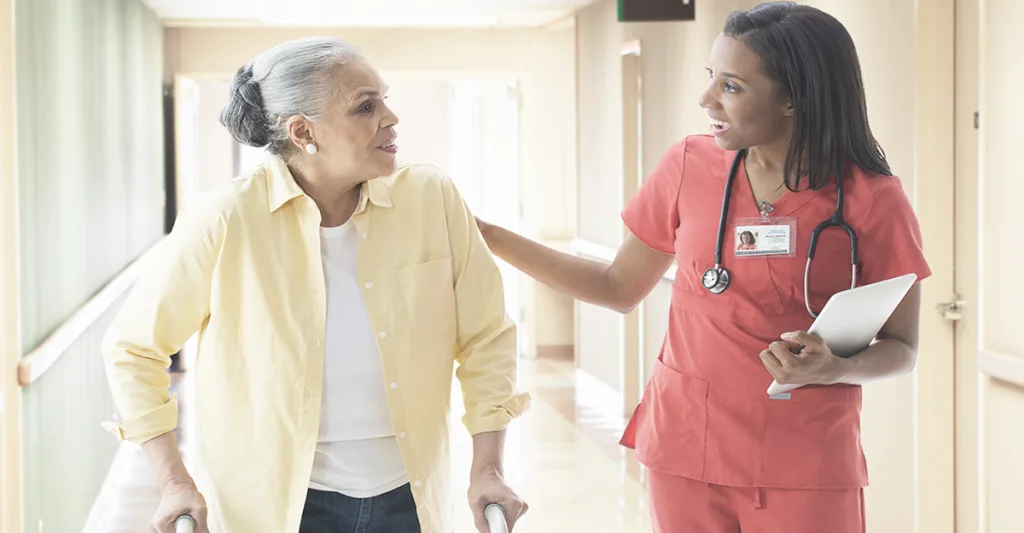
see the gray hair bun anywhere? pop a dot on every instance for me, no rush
(244, 116)
(294, 78)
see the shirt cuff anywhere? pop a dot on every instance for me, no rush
(147, 426)
(484, 419)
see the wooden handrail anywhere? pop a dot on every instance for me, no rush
(1003, 367)
(35, 363)
(601, 252)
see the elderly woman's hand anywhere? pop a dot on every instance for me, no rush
(176, 500)
(488, 488)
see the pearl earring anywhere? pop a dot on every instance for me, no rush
(311, 149)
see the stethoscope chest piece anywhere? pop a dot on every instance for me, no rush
(716, 280)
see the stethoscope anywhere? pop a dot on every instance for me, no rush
(717, 279)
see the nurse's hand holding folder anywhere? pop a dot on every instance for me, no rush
(803, 358)
(862, 334)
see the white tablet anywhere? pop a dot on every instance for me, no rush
(852, 318)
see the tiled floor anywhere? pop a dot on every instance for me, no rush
(562, 458)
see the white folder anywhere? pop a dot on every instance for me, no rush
(851, 319)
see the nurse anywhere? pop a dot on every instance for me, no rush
(787, 114)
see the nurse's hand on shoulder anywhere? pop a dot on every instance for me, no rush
(485, 227)
(802, 358)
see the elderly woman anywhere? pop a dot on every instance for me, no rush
(331, 304)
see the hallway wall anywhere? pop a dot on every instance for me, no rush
(91, 199)
(673, 58)
(90, 136)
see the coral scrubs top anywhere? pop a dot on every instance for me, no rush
(705, 414)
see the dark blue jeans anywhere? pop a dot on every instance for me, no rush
(331, 512)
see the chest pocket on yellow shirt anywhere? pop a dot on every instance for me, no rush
(428, 291)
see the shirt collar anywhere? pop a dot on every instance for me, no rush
(377, 192)
(282, 188)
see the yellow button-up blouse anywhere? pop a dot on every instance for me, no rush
(242, 267)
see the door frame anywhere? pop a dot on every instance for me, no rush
(631, 61)
(185, 88)
(186, 100)
(967, 453)
(934, 112)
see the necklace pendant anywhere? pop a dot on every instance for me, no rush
(766, 208)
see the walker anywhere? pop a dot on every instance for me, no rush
(494, 514)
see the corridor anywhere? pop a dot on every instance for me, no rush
(555, 120)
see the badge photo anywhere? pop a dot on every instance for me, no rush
(764, 237)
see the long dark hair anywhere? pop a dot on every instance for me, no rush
(813, 61)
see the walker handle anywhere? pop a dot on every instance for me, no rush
(495, 515)
(185, 524)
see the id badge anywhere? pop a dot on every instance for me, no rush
(764, 237)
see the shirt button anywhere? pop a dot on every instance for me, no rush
(369, 284)
(366, 235)
(316, 344)
(401, 434)
(417, 484)
(394, 385)
(383, 334)
(316, 292)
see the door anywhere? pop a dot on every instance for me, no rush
(1000, 346)
(933, 450)
(966, 391)
(990, 356)
(186, 142)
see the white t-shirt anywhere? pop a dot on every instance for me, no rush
(356, 452)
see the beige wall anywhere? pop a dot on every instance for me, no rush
(422, 106)
(673, 59)
(599, 333)
(543, 60)
(600, 123)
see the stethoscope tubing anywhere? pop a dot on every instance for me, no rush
(836, 220)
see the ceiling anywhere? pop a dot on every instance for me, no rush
(365, 13)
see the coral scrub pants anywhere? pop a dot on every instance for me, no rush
(681, 505)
